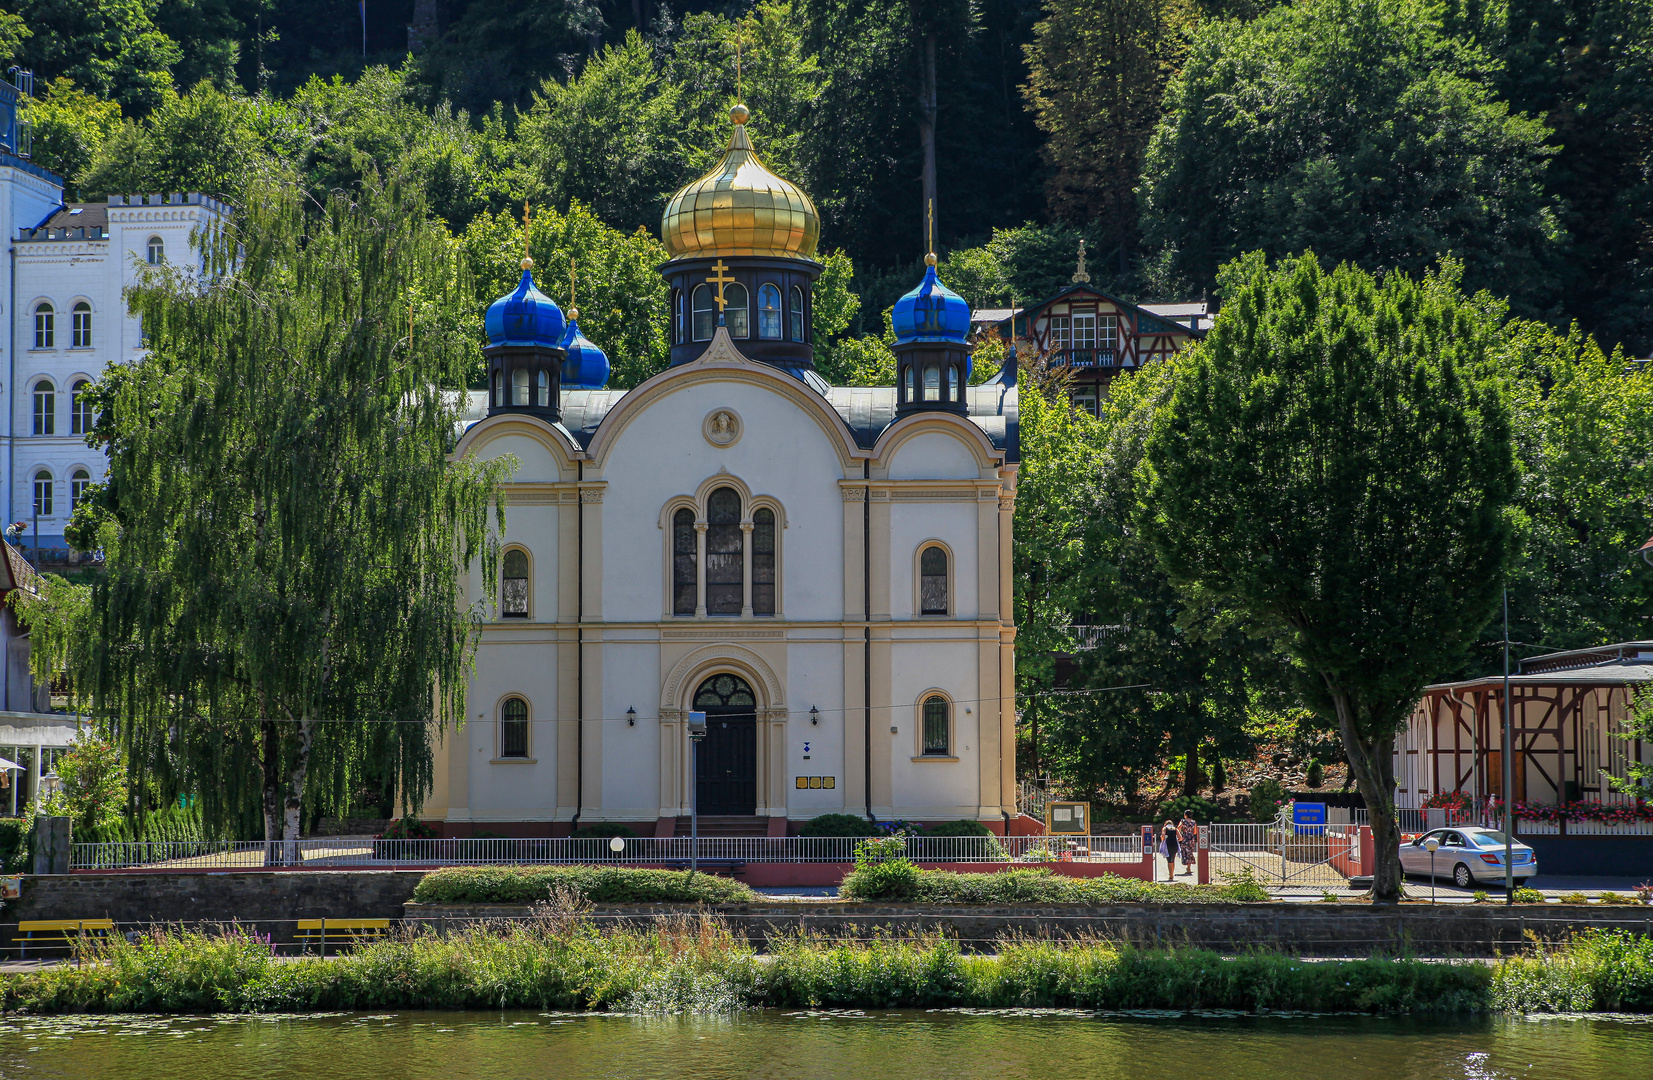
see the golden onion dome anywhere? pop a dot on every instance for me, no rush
(740, 208)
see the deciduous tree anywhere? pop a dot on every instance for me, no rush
(1336, 464)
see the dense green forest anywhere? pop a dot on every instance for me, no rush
(1173, 134)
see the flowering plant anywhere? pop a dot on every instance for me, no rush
(408, 829)
(1447, 800)
(1614, 814)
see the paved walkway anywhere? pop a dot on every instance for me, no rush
(1417, 888)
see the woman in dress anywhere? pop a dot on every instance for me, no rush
(1188, 839)
(1168, 848)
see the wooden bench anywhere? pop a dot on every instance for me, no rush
(55, 933)
(339, 932)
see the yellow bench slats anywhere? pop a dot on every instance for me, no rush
(58, 931)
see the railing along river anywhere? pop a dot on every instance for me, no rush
(669, 851)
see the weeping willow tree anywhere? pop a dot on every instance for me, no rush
(283, 528)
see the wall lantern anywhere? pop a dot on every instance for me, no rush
(814, 715)
(631, 717)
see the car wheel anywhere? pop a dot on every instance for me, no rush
(1461, 876)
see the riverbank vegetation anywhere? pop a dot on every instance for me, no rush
(689, 964)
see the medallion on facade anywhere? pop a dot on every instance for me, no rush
(722, 428)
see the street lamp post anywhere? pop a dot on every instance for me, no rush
(1431, 845)
(697, 732)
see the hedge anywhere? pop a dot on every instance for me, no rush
(597, 884)
(900, 880)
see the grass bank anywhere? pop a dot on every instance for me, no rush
(696, 965)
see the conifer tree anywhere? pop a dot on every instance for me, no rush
(285, 533)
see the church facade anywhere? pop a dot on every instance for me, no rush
(824, 571)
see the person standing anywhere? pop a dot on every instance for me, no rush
(1168, 848)
(1188, 840)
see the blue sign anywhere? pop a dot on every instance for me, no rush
(1309, 817)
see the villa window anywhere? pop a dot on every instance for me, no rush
(44, 323)
(705, 313)
(513, 728)
(937, 721)
(42, 494)
(81, 419)
(1107, 333)
(735, 313)
(932, 581)
(684, 583)
(157, 251)
(725, 554)
(45, 408)
(514, 585)
(797, 313)
(81, 337)
(1061, 335)
(769, 313)
(79, 482)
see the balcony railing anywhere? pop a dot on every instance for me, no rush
(1085, 358)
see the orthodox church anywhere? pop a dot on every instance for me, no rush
(824, 571)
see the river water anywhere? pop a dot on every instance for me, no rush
(781, 1045)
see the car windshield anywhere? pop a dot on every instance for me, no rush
(1488, 838)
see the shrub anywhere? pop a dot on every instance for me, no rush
(961, 827)
(16, 845)
(1596, 970)
(1316, 774)
(595, 884)
(603, 830)
(1573, 898)
(1205, 811)
(408, 829)
(1616, 898)
(1528, 896)
(882, 872)
(898, 879)
(1480, 896)
(849, 825)
(1267, 796)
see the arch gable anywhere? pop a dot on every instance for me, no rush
(555, 440)
(708, 660)
(892, 437)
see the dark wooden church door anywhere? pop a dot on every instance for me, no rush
(727, 779)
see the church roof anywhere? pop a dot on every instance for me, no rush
(866, 410)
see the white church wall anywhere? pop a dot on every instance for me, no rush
(512, 662)
(817, 679)
(631, 755)
(934, 455)
(934, 788)
(914, 524)
(663, 454)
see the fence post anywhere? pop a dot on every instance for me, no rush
(1148, 852)
(1202, 865)
(1368, 852)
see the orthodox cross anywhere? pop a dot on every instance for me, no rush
(1079, 275)
(527, 261)
(720, 279)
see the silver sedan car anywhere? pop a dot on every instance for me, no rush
(1468, 853)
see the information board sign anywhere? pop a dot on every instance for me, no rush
(1309, 818)
(1068, 817)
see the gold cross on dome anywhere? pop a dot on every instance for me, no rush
(720, 279)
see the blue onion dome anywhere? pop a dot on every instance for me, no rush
(526, 316)
(586, 366)
(931, 312)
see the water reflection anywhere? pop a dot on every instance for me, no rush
(822, 1046)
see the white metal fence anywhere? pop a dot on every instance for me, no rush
(649, 851)
(1279, 854)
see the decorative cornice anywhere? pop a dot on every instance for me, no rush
(723, 634)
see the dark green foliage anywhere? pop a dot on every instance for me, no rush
(408, 828)
(16, 845)
(1205, 811)
(881, 881)
(531, 884)
(1266, 800)
(1361, 131)
(1597, 971)
(169, 825)
(961, 827)
(1336, 465)
(851, 825)
(1316, 774)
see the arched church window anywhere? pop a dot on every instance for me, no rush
(513, 603)
(677, 316)
(513, 728)
(705, 313)
(82, 325)
(937, 736)
(726, 692)
(797, 313)
(932, 581)
(683, 562)
(932, 382)
(519, 386)
(725, 556)
(735, 314)
(908, 381)
(499, 389)
(763, 561)
(544, 396)
(157, 251)
(769, 312)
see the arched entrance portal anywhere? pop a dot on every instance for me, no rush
(727, 783)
